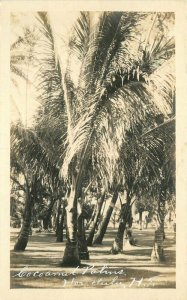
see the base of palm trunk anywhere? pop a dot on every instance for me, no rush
(117, 247)
(60, 237)
(83, 250)
(157, 253)
(21, 244)
(97, 241)
(90, 238)
(129, 241)
(158, 249)
(71, 255)
(84, 255)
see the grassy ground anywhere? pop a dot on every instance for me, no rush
(39, 265)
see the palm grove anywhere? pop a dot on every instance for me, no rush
(105, 126)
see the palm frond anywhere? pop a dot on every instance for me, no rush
(31, 152)
(79, 39)
(52, 112)
(132, 101)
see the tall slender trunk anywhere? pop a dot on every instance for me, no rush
(93, 229)
(26, 226)
(92, 218)
(60, 235)
(140, 220)
(71, 253)
(114, 220)
(118, 242)
(58, 216)
(158, 246)
(102, 230)
(83, 249)
(101, 215)
(47, 220)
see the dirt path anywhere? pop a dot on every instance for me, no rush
(39, 265)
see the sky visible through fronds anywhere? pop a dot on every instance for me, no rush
(24, 95)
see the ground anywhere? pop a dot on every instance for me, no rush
(39, 265)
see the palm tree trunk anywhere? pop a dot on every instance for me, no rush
(92, 218)
(117, 246)
(60, 235)
(58, 216)
(83, 249)
(93, 229)
(71, 254)
(47, 219)
(101, 215)
(102, 230)
(140, 220)
(26, 226)
(129, 240)
(158, 247)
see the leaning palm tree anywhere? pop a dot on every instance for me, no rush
(98, 238)
(91, 127)
(108, 100)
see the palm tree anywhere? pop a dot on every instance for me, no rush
(102, 229)
(33, 161)
(119, 82)
(158, 177)
(22, 55)
(88, 40)
(164, 188)
(23, 60)
(96, 219)
(19, 167)
(97, 110)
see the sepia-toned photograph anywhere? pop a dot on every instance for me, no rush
(92, 150)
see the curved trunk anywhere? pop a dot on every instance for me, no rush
(93, 229)
(83, 249)
(102, 230)
(71, 253)
(26, 226)
(117, 246)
